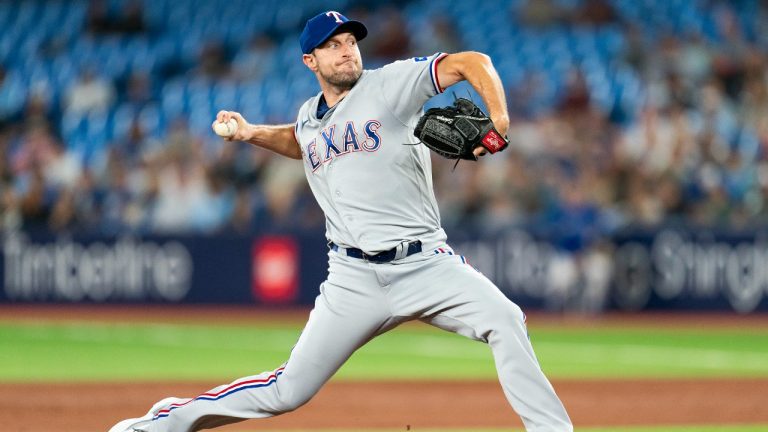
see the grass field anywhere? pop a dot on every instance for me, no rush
(43, 351)
(63, 351)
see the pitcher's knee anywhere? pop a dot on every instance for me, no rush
(511, 326)
(292, 400)
(507, 313)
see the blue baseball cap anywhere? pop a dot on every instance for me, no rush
(324, 25)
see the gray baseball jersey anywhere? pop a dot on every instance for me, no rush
(376, 190)
(371, 180)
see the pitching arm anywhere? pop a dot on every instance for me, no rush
(278, 138)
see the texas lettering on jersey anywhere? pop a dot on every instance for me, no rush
(331, 143)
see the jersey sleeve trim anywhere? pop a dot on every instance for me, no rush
(433, 72)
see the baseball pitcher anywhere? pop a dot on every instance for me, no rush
(360, 141)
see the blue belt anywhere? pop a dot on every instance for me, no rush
(382, 257)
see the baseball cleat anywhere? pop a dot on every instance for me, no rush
(138, 423)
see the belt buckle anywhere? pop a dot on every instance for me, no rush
(396, 253)
(401, 250)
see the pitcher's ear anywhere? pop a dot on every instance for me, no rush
(310, 60)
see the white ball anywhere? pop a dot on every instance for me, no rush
(225, 129)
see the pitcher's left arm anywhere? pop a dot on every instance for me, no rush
(477, 69)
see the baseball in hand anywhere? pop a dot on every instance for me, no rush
(225, 129)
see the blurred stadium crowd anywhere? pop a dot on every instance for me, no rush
(624, 113)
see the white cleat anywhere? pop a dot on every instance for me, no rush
(138, 423)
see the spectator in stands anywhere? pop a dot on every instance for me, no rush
(144, 189)
(635, 52)
(281, 183)
(34, 199)
(131, 20)
(135, 146)
(654, 143)
(213, 211)
(34, 148)
(542, 13)
(100, 20)
(89, 94)
(393, 41)
(728, 63)
(64, 212)
(138, 88)
(183, 184)
(595, 12)
(242, 212)
(694, 61)
(679, 91)
(717, 116)
(62, 168)
(753, 100)
(97, 19)
(38, 110)
(10, 214)
(576, 98)
(759, 201)
(212, 61)
(10, 209)
(6, 176)
(46, 177)
(112, 194)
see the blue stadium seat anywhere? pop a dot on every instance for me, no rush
(121, 120)
(152, 120)
(224, 95)
(72, 127)
(173, 98)
(13, 95)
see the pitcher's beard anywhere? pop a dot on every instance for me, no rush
(343, 80)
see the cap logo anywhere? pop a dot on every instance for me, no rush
(335, 15)
(324, 25)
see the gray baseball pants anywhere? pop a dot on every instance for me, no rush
(361, 300)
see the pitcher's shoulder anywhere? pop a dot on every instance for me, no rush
(309, 103)
(418, 62)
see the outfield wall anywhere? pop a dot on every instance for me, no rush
(668, 269)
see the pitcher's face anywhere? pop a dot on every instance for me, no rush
(337, 61)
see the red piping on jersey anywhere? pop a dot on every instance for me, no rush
(434, 65)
